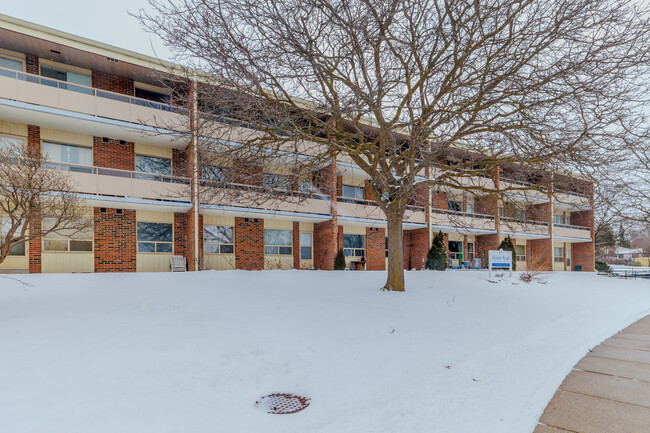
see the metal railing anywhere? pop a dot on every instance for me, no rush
(569, 226)
(64, 85)
(77, 168)
(524, 221)
(462, 214)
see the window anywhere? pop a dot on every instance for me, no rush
(153, 165)
(520, 215)
(568, 257)
(470, 251)
(151, 95)
(520, 253)
(155, 237)
(455, 206)
(354, 245)
(13, 64)
(353, 192)
(5, 225)
(567, 220)
(277, 242)
(558, 219)
(558, 254)
(67, 240)
(470, 207)
(276, 181)
(73, 78)
(218, 240)
(305, 186)
(68, 154)
(11, 143)
(305, 246)
(216, 174)
(456, 250)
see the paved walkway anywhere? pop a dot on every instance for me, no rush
(608, 391)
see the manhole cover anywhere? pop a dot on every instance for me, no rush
(282, 403)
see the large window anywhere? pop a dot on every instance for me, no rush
(5, 226)
(276, 181)
(155, 237)
(305, 246)
(354, 245)
(470, 208)
(558, 219)
(9, 63)
(558, 254)
(353, 193)
(520, 252)
(68, 154)
(11, 143)
(456, 250)
(470, 252)
(151, 95)
(277, 242)
(67, 240)
(218, 240)
(63, 75)
(454, 205)
(212, 173)
(153, 165)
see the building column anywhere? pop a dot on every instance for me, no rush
(296, 245)
(249, 244)
(375, 249)
(326, 233)
(115, 240)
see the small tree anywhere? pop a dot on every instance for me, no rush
(339, 261)
(437, 257)
(507, 245)
(28, 192)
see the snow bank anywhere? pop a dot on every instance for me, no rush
(140, 353)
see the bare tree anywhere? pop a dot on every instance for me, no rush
(30, 191)
(417, 93)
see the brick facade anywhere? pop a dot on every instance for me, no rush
(483, 244)
(249, 244)
(34, 140)
(325, 245)
(113, 83)
(110, 153)
(115, 240)
(419, 248)
(180, 234)
(539, 255)
(35, 245)
(31, 64)
(296, 245)
(375, 249)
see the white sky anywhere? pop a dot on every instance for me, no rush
(105, 21)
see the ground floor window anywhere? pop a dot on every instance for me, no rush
(67, 240)
(155, 237)
(558, 254)
(520, 252)
(5, 225)
(354, 245)
(305, 246)
(218, 240)
(277, 242)
(456, 250)
(568, 257)
(470, 251)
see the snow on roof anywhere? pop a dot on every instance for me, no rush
(622, 250)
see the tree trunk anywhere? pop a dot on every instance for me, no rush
(395, 280)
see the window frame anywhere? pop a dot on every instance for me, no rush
(353, 199)
(156, 243)
(147, 174)
(520, 257)
(268, 248)
(22, 245)
(68, 166)
(220, 245)
(66, 240)
(14, 58)
(560, 258)
(353, 251)
(310, 246)
(454, 205)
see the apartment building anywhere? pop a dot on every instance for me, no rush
(95, 111)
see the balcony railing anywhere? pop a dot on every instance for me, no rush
(462, 214)
(524, 221)
(76, 168)
(569, 226)
(32, 78)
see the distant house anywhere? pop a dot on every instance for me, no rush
(628, 253)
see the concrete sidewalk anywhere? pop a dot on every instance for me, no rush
(608, 391)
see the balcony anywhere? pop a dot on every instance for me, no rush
(570, 231)
(102, 181)
(368, 209)
(463, 222)
(524, 228)
(524, 191)
(573, 199)
(93, 103)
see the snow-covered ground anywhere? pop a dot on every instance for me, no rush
(140, 353)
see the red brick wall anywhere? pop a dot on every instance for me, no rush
(31, 64)
(486, 205)
(180, 165)
(33, 140)
(180, 234)
(483, 244)
(113, 154)
(583, 254)
(296, 245)
(539, 255)
(249, 244)
(368, 193)
(419, 247)
(375, 249)
(439, 200)
(113, 83)
(115, 240)
(35, 245)
(339, 186)
(325, 245)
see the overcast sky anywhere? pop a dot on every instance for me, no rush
(105, 21)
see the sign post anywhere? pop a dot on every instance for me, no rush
(499, 260)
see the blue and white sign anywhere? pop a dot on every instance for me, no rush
(500, 260)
